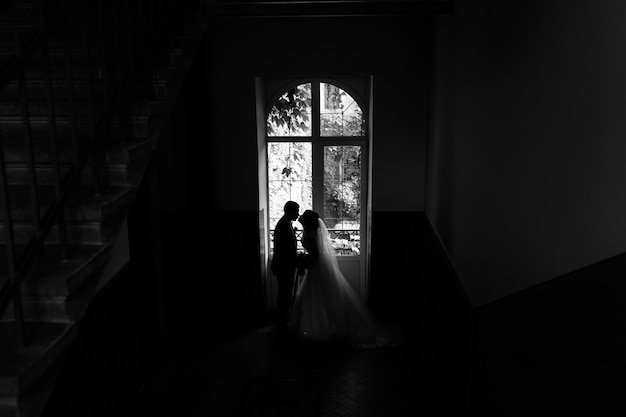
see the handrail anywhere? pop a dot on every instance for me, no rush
(342, 246)
(116, 87)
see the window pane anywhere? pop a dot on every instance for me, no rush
(290, 115)
(342, 197)
(289, 169)
(340, 115)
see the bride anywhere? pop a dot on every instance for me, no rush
(326, 308)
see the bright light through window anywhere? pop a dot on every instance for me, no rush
(292, 142)
(290, 177)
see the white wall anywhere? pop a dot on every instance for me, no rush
(526, 166)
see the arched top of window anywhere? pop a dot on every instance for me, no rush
(339, 113)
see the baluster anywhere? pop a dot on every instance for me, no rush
(7, 218)
(116, 42)
(155, 16)
(141, 24)
(52, 136)
(160, 16)
(130, 39)
(27, 136)
(18, 311)
(90, 99)
(149, 21)
(103, 55)
(106, 118)
(69, 72)
(120, 78)
(8, 236)
(5, 207)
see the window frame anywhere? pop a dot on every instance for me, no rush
(318, 142)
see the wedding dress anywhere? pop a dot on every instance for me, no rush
(326, 307)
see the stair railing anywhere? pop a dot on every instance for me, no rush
(122, 35)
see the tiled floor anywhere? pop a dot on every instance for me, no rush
(398, 381)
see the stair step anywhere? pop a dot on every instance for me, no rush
(57, 47)
(39, 107)
(121, 153)
(135, 126)
(58, 291)
(61, 290)
(83, 205)
(8, 407)
(51, 277)
(89, 218)
(122, 162)
(57, 55)
(89, 233)
(58, 73)
(37, 89)
(49, 309)
(15, 150)
(35, 68)
(115, 174)
(62, 106)
(20, 369)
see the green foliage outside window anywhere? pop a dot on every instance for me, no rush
(291, 113)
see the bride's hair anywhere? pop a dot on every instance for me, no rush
(308, 219)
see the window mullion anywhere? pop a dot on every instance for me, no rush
(315, 108)
(318, 150)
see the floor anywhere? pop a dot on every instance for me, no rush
(406, 380)
(426, 375)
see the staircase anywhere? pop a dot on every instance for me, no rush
(85, 88)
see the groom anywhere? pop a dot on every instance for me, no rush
(284, 261)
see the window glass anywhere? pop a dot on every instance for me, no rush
(290, 115)
(292, 139)
(342, 197)
(340, 115)
(289, 169)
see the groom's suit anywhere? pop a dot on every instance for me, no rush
(284, 264)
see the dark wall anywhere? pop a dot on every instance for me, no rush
(393, 50)
(398, 265)
(210, 259)
(413, 284)
(525, 191)
(525, 164)
(208, 168)
(213, 282)
(182, 154)
(554, 349)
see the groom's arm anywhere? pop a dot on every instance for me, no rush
(310, 258)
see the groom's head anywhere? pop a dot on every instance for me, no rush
(292, 210)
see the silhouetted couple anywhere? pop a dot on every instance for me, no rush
(325, 307)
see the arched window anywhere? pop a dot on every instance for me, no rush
(316, 148)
